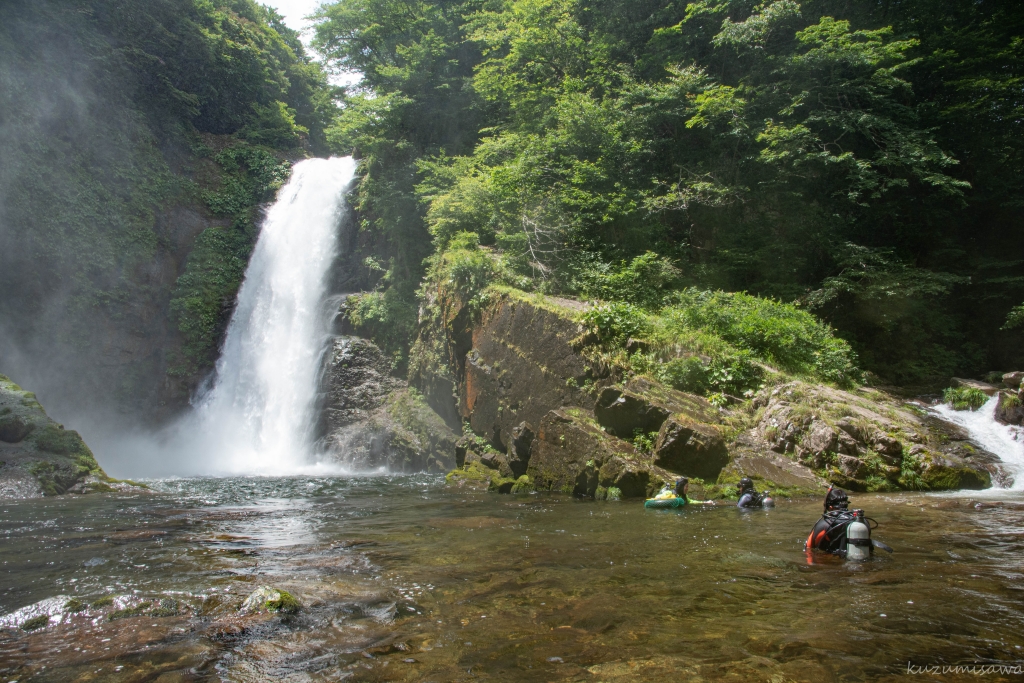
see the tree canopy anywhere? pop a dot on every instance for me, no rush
(860, 159)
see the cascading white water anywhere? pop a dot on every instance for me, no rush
(257, 418)
(1003, 440)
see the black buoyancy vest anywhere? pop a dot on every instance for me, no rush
(829, 533)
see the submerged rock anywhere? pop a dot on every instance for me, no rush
(38, 456)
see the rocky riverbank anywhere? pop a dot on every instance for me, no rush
(543, 412)
(38, 456)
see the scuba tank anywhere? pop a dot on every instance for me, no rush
(858, 538)
(766, 500)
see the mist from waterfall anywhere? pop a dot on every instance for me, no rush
(1005, 441)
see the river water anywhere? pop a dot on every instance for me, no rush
(403, 579)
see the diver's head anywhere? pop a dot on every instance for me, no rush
(836, 499)
(746, 484)
(681, 484)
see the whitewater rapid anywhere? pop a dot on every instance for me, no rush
(1005, 441)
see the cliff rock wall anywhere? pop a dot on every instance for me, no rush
(544, 412)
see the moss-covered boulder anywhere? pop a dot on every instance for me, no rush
(862, 440)
(1010, 408)
(573, 454)
(38, 456)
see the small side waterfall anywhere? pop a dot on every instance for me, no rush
(257, 418)
(1004, 440)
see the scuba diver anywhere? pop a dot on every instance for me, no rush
(750, 498)
(842, 531)
(674, 496)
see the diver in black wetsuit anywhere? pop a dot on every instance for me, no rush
(750, 498)
(829, 533)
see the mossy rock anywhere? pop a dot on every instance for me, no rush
(74, 605)
(105, 601)
(284, 603)
(941, 478)
(55, 457)
(128, 612)
(522, 485)
(471, 475)
(272, 600)
(167, 607)
(608, 493)
(36, 623)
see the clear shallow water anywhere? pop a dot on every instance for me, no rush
(401, 579)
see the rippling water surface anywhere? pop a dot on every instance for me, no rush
(403, 580)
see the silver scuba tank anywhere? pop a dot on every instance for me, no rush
(858, 538)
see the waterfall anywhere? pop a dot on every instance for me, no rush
(257, 417)
(1005, 441)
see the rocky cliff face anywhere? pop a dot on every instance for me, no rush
(544, 414)
(38, 456)
(370, 419)
(546, 417)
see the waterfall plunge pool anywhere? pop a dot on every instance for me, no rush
(402, 579)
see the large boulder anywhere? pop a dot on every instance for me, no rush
(574, 455)
(370, 419)
(1013, 379)
(521, 365)
(961, 383)
(776, 472)
(624, 413)
(38, 456)
(690, 447)
(688, 441)
(1010, 409)
(867, 440)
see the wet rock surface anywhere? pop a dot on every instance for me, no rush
(522, 365)
(1010, 408)
(519, 364)
(38, 456)
(866, 440)
(370, 419)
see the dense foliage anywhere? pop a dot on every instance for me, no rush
(116, 115)
(860, 160)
